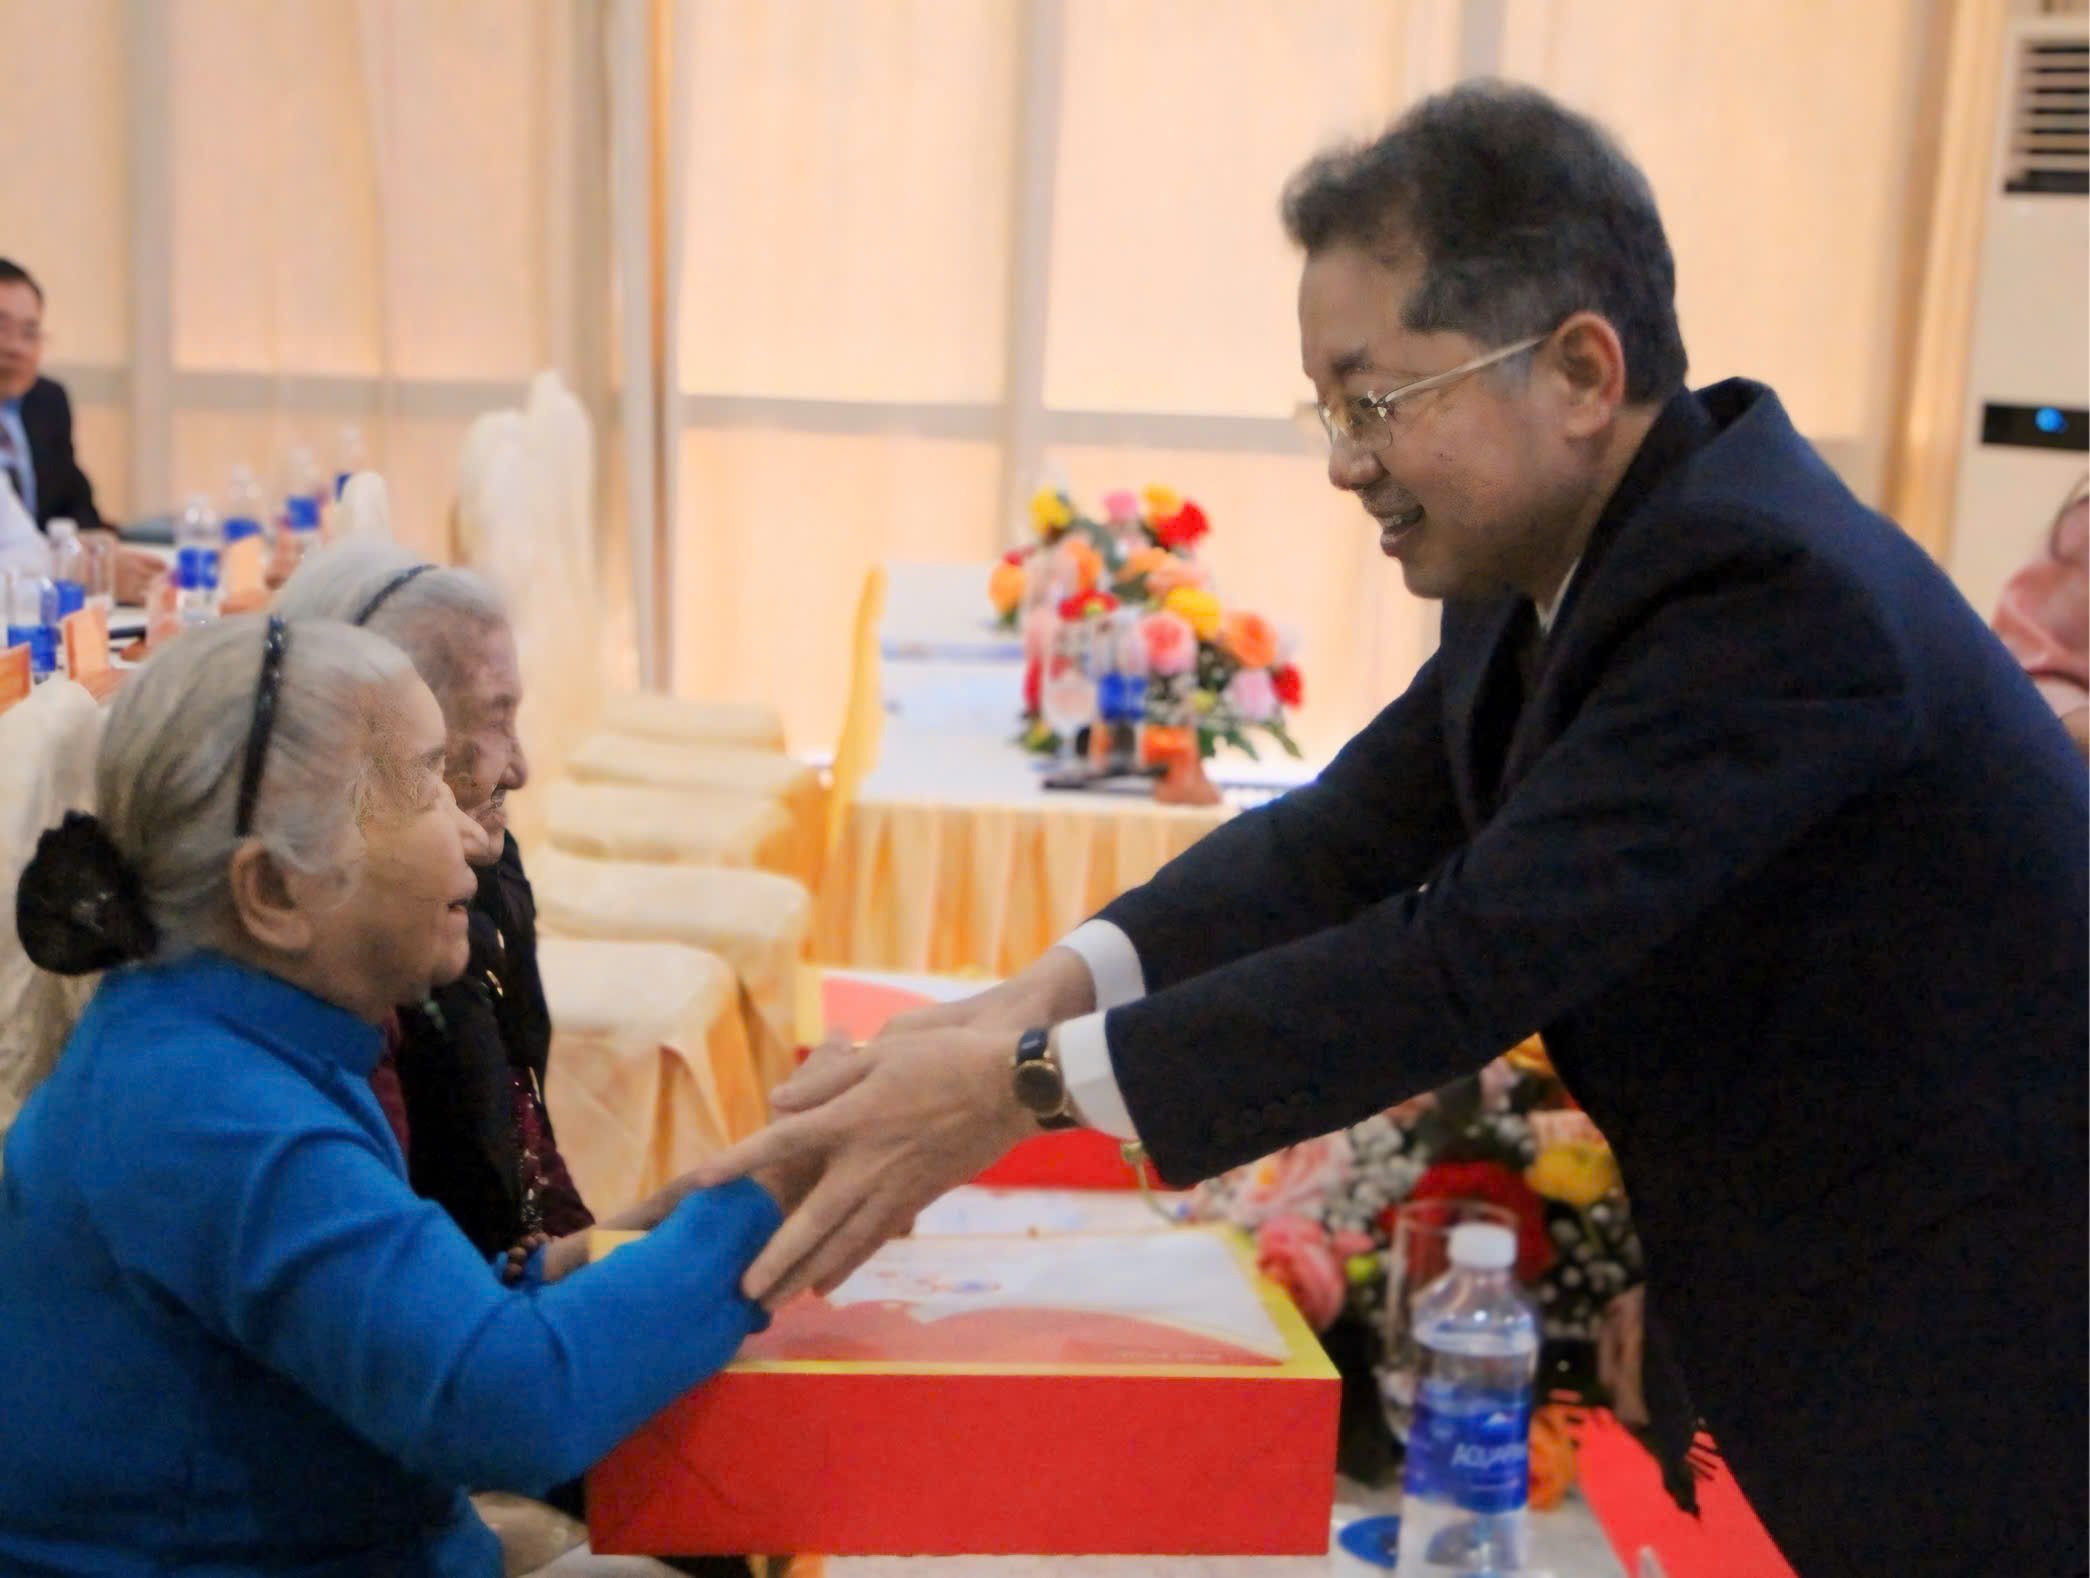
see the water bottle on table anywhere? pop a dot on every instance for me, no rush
(242, 507)
(350, 458)
(197, 544)
(32, 621)
(68, 565)
(1469, 1448)
(302, 502)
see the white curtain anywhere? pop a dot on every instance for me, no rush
(840, 280)
(876, 332)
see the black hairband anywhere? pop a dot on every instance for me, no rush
(265, 690)
(385, 591)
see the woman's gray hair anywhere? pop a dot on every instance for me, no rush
(167, 776)
(423, 616)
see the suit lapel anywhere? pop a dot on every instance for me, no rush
(1477, 666)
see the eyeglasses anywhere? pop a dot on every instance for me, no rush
(1367, 420)
(21, 331)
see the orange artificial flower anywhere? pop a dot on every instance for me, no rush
(1198, 606)
(1088, 564)
(1552, 1457)
(1160, 742)
(1251, 638)
(1529, 1055)
(1143, 561)
(1005, 587)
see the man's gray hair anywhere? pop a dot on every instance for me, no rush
(168, 772)
(425, 617)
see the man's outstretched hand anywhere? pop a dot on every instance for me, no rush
(889, 1128)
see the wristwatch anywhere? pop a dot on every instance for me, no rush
(1040, 1086)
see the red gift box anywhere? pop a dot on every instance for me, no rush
(941, 1426)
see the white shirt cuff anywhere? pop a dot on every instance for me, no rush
(1092, 1083)
(1112, 960)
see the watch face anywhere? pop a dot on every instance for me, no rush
(1039, 1087)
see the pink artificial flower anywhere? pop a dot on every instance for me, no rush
(1252, 696)
(1296, 1178)
(1413, 1108)
(1171, 643)
(1173, 572)
(1352, 1242)
(1132, 648)
(1120, 506)
(1296, 1254)
(1289, 641)
(1497, 1080)
(1038, 626)
(1562, 1126)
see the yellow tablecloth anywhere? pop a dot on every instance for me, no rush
(955, 860)
(650, 1066)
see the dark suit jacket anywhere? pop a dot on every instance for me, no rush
(62, 488)
(1787, 859)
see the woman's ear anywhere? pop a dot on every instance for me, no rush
(268, 909)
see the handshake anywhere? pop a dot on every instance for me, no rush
(865, 1136)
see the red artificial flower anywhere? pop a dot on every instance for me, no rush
(1182, 529)
(1083, 604)
(1291, 689)
(1014, 556)
(1033, 680)
(1496, 1184)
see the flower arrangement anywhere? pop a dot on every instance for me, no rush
(1322, 1215)
(1168, 655)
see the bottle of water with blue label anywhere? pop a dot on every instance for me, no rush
(304, 497)
(32, 621)
(68, 565)
(197, 543)
(350, 458)
(1469, 1448)
(243, 508)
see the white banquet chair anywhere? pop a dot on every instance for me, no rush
(47, 747)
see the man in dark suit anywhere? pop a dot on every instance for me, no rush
(36, 418)
(1714, 779)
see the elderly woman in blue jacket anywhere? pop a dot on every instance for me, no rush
(241, 1343)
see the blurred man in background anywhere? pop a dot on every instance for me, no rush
(36, 418)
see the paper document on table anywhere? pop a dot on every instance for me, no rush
(1187, 1280)
(1001, 1213)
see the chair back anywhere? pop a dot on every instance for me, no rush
(47, 748)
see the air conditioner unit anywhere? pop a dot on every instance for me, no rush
(2026, 432)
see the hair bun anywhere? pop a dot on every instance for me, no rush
(80, 907)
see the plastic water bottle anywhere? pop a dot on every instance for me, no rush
(242, 507)
(197, 544)
(1469, 1448)
(351, 457)
(32, 621)
(68, 565)
(302, 502)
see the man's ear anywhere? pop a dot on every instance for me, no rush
(262, 899)
(1589, 363)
